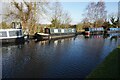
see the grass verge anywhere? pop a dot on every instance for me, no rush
(109, 68)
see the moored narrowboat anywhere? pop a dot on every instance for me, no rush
(89, 31)
(101, 30)
(55, 33)
(12, 35)
(113, 30)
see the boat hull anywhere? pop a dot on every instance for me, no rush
(52, 36)
(12, 40)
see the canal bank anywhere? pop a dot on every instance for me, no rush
(109, 68)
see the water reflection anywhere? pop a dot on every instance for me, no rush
(104, 36)
(63, 58)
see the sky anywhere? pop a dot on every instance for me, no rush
(77, 7)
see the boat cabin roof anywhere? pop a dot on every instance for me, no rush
(10, 29)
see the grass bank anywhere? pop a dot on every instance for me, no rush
(109, 68)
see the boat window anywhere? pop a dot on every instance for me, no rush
(55, 30)
(15, 33)
(62, 30)
(59, 30)
(12, 33)
(51, 30)
(3, 34)
(73, 30)
(66, 31)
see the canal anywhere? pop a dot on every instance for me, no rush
(64, 58)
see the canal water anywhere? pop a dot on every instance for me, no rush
(72, 57)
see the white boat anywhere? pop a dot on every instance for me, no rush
(11, 35)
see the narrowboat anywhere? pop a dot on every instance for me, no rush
(101, 30)
(113, 30)
(89, 31)
(55, 33)
(14, 34)
(11, 35)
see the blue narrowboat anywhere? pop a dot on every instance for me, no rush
(89, 31)
(113, 30)
(100, 30)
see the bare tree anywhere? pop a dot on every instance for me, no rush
(26, 12)
(90, 12)
(96, 13)
(66, 19)
(86, 23)
(101, 14)
(56, 12)
(59, 17)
